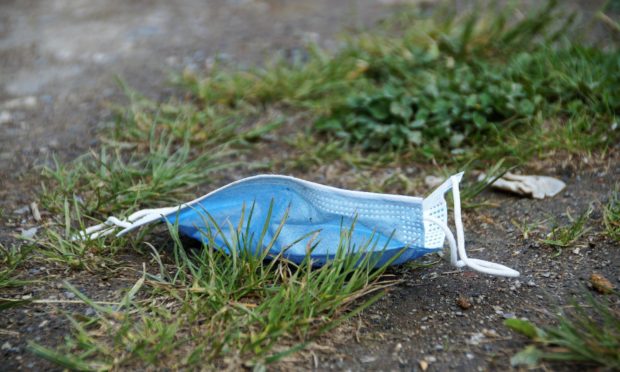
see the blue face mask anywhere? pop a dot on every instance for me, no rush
(401, 227)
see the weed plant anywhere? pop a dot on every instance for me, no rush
(587, 333)
(565, 236)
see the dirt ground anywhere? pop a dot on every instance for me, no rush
(58, 60)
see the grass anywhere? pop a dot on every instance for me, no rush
(565, 236)
(586, 333)
(113, 180)
(477, 90)
(153, 155)
(11, 258)
(59, 246)
(611, 216)
(209, 309)
(526, 228)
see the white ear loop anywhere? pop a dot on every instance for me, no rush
(135, 220)
(458, 255)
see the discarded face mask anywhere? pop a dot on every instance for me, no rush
(409, 226)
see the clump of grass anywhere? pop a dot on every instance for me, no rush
(611, 216)
(565, 236)
(113, 180)
(179, 123)
(588, 333)
(58, 243)
(471, 190)
(527, 228)
(211, 309)
(11, 258)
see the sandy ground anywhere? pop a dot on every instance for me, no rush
(58, 60)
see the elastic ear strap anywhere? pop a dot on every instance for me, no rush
(458, 255)
(135, 220)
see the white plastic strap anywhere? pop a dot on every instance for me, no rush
(458, 255)
(135, 220)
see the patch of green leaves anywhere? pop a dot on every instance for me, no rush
(440, 105)
(588, 333)
(458, 102)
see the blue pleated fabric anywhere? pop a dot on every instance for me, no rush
(318, 215)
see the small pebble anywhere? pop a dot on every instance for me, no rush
(30, 233)
(22, 210)
(21, 102)
(5, 117)
(509, 315)
(368, 359)
(475, 338)
(423, 365)
(69, 294)
(398, 347)
(463, 302)
(34, 209)
(490, 333)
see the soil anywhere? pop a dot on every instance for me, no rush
(58, 60)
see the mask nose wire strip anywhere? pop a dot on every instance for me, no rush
(458, 255)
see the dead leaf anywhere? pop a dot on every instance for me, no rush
(463, 302)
